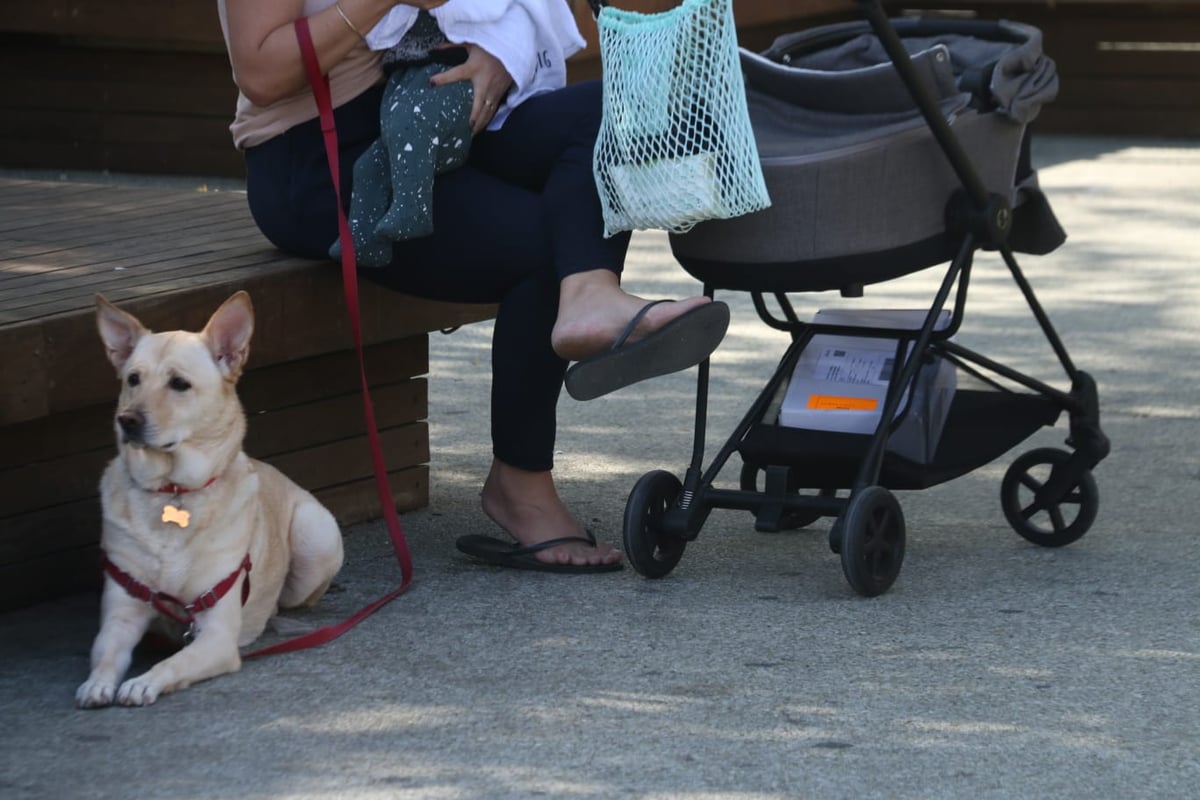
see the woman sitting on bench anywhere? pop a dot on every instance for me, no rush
(519, 224)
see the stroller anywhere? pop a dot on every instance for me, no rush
(888, 147)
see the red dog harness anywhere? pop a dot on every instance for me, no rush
(171, 606)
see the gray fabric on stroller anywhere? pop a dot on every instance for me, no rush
(859, 186)
(1019, 77)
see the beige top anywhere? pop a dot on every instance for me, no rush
(253, 124)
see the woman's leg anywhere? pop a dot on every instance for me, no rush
(287, 178)
(502, 256)
(476, 256)
(546, 145)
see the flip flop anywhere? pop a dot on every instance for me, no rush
(516, 556)
(683, 342)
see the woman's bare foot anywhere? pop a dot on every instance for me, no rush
(593, 309)
(527, 505)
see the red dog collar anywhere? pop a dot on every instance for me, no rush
(176, 489)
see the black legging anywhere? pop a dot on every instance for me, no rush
(521, 214)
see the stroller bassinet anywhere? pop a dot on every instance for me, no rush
(859, 185)
(887, 146)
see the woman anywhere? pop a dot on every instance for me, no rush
(519, 225)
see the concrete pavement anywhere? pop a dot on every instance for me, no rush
(992, 669)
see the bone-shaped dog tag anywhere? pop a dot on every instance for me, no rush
(177, 516)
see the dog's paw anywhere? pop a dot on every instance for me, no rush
(95, 694)
(138, 691)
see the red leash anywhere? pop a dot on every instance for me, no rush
(320, 86)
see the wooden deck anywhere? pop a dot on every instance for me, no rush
(171, 256)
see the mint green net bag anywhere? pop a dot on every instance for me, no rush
(675, 145)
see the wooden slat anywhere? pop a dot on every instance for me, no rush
(189, 23)
(758, 23)
(1129, 122)
(293, 432)
(188, 84)
(132, 110)
(196, 248)
(27, 151)
(69, 272)
(349, 460)
(1135, 91)
(358, 501)
(87, 141)
(23, 376)
(49, 438)
(45, 531)
(34, 580)
(76, 524)
(44, 484)
(68, 376)
(281, 385)
(73, 566)
(299, 427)
(333, 374)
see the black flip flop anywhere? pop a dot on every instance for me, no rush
(516, 556)
(683, 342)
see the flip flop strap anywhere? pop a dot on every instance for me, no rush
(633, 323)
(546, 545)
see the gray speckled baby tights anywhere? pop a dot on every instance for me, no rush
(424, 131)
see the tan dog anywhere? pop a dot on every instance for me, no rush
(199, 539)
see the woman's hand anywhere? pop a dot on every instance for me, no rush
(489, 80)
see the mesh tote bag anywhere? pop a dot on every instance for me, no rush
(675, 144)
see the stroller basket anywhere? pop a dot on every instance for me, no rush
(888, 147)
(859, 186)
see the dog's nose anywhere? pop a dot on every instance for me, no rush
(132, 423)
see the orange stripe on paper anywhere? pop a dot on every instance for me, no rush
(826, 402)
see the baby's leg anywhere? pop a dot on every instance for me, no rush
(428, 133)
(371, 195)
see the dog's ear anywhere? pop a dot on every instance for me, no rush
(119, 330)
(228, 333)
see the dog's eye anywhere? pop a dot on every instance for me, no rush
(133, 379)
(179, 384)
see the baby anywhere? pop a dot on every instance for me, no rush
(425, 130)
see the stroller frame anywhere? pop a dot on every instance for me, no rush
(663, 514)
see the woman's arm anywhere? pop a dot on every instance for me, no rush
(262, 42)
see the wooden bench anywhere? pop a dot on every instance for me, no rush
(171, 256)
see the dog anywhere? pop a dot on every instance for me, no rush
(200, 542)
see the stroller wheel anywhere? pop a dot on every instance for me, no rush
(1042, 513)
(786, 520)
(652, 552)
(872, 540)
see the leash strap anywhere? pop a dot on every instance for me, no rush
(320, 87)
